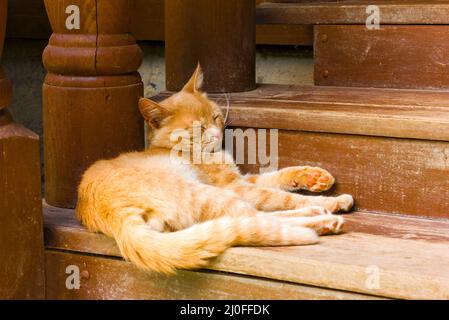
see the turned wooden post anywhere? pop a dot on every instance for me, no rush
(91, 91)
(220, 34)
(21, 231)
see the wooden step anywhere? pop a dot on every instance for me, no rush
(354, 12)
(392, 57)
(378, 256)
(387, 147)
(407, 51)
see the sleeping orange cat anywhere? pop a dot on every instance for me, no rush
(167, 213)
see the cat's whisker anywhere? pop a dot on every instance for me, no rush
(227, 106)
(229, 123)
(171, 211)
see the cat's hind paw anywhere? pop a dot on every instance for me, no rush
(306, 178)
(334, 225)
(345, 202)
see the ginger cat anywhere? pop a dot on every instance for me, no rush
(167, 213)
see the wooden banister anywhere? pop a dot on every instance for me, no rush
(91, 91)
(220, 34)
(21, 230)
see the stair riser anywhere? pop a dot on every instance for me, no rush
(403, 176)
(392, 57)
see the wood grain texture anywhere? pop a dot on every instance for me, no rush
(390, 175)
(21, 231)
(281, 34)
(90, 93)
(399, 226)
(415, 114)
(28, 19)
(380, 144)
(392, 57)
(21, 228)
(354, 12)
(406, 264)
(220, 34)
(115, 279)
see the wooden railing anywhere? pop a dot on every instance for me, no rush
(21, 231)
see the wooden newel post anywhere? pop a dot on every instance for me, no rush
(91, 91)
(21, 231)
(220, 34)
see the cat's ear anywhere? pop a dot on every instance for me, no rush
(196, 81)
(153, 112)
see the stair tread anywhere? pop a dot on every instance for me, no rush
(401, 113)
(354, 12)
(410, 253)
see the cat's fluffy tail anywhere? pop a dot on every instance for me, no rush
(192, 248)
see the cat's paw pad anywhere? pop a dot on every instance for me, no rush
(345, 202)
(333, 225)
(307, 178)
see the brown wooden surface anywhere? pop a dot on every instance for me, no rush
(28, 19)
(5, 84)
(415, 114)
(390, 175)
(21, 232)
(393, 57)
(380, 144)
(281, 34)
(354, 12)
(405, 254)
(115, 279)
(90, 93)
(220, 34)
(21, 229)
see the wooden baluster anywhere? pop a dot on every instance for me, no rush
(218, 33)
(91, 91)
(21, 232)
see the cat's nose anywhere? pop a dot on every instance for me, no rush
(215, 133)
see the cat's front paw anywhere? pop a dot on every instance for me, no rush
(306, 178)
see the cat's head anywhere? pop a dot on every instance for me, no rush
(188, 111)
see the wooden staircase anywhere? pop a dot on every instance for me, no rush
(383, 145)
(377, 118)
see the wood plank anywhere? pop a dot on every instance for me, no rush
(354, 12)
(415, 114)
(282, 34)
(399, 226)
(116, 279)
(393, 226)
(392, 57)
(21, 238)
(345, 262)
(389, 175)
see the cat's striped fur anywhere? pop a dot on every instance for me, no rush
(167, 214)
